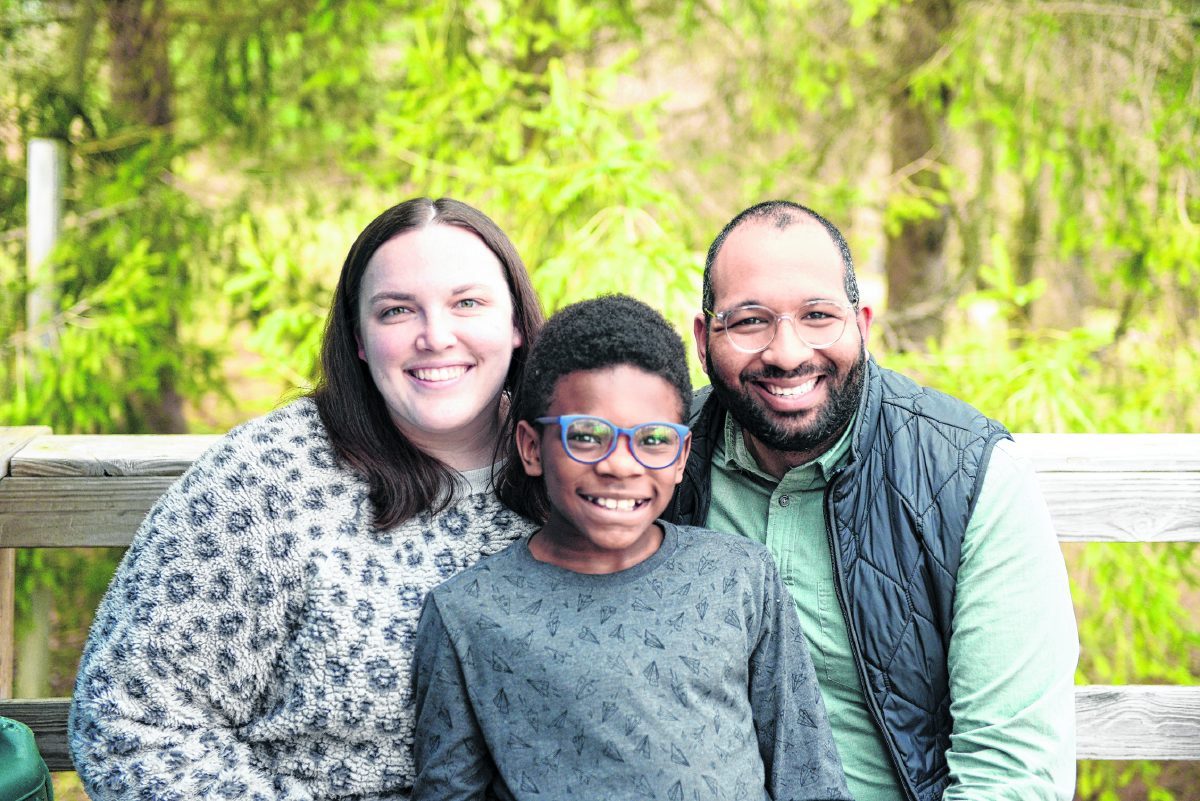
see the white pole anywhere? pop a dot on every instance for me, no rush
(43, 224)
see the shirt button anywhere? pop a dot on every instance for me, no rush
(784, 500)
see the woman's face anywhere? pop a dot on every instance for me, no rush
(437, 333)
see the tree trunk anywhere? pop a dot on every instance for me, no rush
(142, 92)
(915, 260)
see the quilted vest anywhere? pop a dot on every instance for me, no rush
(897, 511)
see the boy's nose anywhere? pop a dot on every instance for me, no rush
(620, 461)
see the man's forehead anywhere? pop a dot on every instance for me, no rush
(760, 258)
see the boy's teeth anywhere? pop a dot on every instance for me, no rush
(787, 392)
(622, 504)
(439, 373)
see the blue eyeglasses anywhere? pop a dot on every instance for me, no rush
(589, 439)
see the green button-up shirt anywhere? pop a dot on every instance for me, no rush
(1013, 644)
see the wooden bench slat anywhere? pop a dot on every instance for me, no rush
(48, 719)
(65, 512)
(101, 511)
(110, 455)
(1116, 723)
(1137, 722)
(1124, 507)
(1085, 453)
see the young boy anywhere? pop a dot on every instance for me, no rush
(610, 656)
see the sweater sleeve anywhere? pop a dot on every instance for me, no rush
(794, 736)
(452, 758)
(184, 644)
(1013, 647)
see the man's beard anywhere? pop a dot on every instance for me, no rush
(787, 432)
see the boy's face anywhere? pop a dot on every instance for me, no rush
(592, 514)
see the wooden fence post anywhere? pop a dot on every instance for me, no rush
(11, 441)
(46, 159)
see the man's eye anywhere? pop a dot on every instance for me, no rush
(748, 322)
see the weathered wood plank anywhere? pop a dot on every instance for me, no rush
(1085, 453)
(64, 512)
(48, 719)
(12, 439)
(110, 455)
(1124, 507)
(1137, 722)
(1119, 722)
(1106, 507)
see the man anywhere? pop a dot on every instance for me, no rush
(908, 528)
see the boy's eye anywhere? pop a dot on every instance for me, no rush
(656, 437)
(588, 434)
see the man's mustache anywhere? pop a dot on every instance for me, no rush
(774, 373)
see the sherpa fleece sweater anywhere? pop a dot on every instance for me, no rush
(256, 641)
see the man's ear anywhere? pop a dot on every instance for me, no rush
(681, 465)
(863, 321)
(700, 334)
(529, 445)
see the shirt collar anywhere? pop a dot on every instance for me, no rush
(733, 454)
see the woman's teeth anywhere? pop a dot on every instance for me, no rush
(438, 373)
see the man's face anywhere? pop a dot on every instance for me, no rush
(790, 397)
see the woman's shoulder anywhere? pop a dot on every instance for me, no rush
(289, 438)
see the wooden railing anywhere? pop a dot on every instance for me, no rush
(61, 491)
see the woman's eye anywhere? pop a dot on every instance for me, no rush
(469, 303)
(394, 311)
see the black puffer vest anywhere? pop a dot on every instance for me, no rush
(897, 511)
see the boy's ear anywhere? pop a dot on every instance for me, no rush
(681, 464)
(529, 445)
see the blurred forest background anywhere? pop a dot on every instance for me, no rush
(1019, 180)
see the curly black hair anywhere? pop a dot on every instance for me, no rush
(608, 331)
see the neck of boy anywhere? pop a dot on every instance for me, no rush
(563, 546)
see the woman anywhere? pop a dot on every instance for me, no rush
(256, 639)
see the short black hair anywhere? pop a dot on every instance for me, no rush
(781, 214)
(608, 331)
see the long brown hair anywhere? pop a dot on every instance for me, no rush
(404, 480)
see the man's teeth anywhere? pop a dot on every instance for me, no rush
(439, 373)
(620, 504)
(788, 392)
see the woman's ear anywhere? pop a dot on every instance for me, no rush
(529, 445)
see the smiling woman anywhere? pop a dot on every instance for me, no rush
(257, 638)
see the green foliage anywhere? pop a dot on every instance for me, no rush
(612, 141)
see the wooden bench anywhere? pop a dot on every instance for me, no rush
(60, 491)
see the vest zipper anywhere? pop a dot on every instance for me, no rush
(872, 705)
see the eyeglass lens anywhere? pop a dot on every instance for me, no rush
(590, 439)
(819, 324)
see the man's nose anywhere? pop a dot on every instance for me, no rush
(787, 350)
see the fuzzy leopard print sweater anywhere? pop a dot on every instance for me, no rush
(256, 640)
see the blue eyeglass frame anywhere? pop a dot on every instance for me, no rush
(564, 420)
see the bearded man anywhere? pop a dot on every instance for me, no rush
(907, 526)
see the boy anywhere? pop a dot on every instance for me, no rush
(609, 655)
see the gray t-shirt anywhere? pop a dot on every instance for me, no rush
(683, 677)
